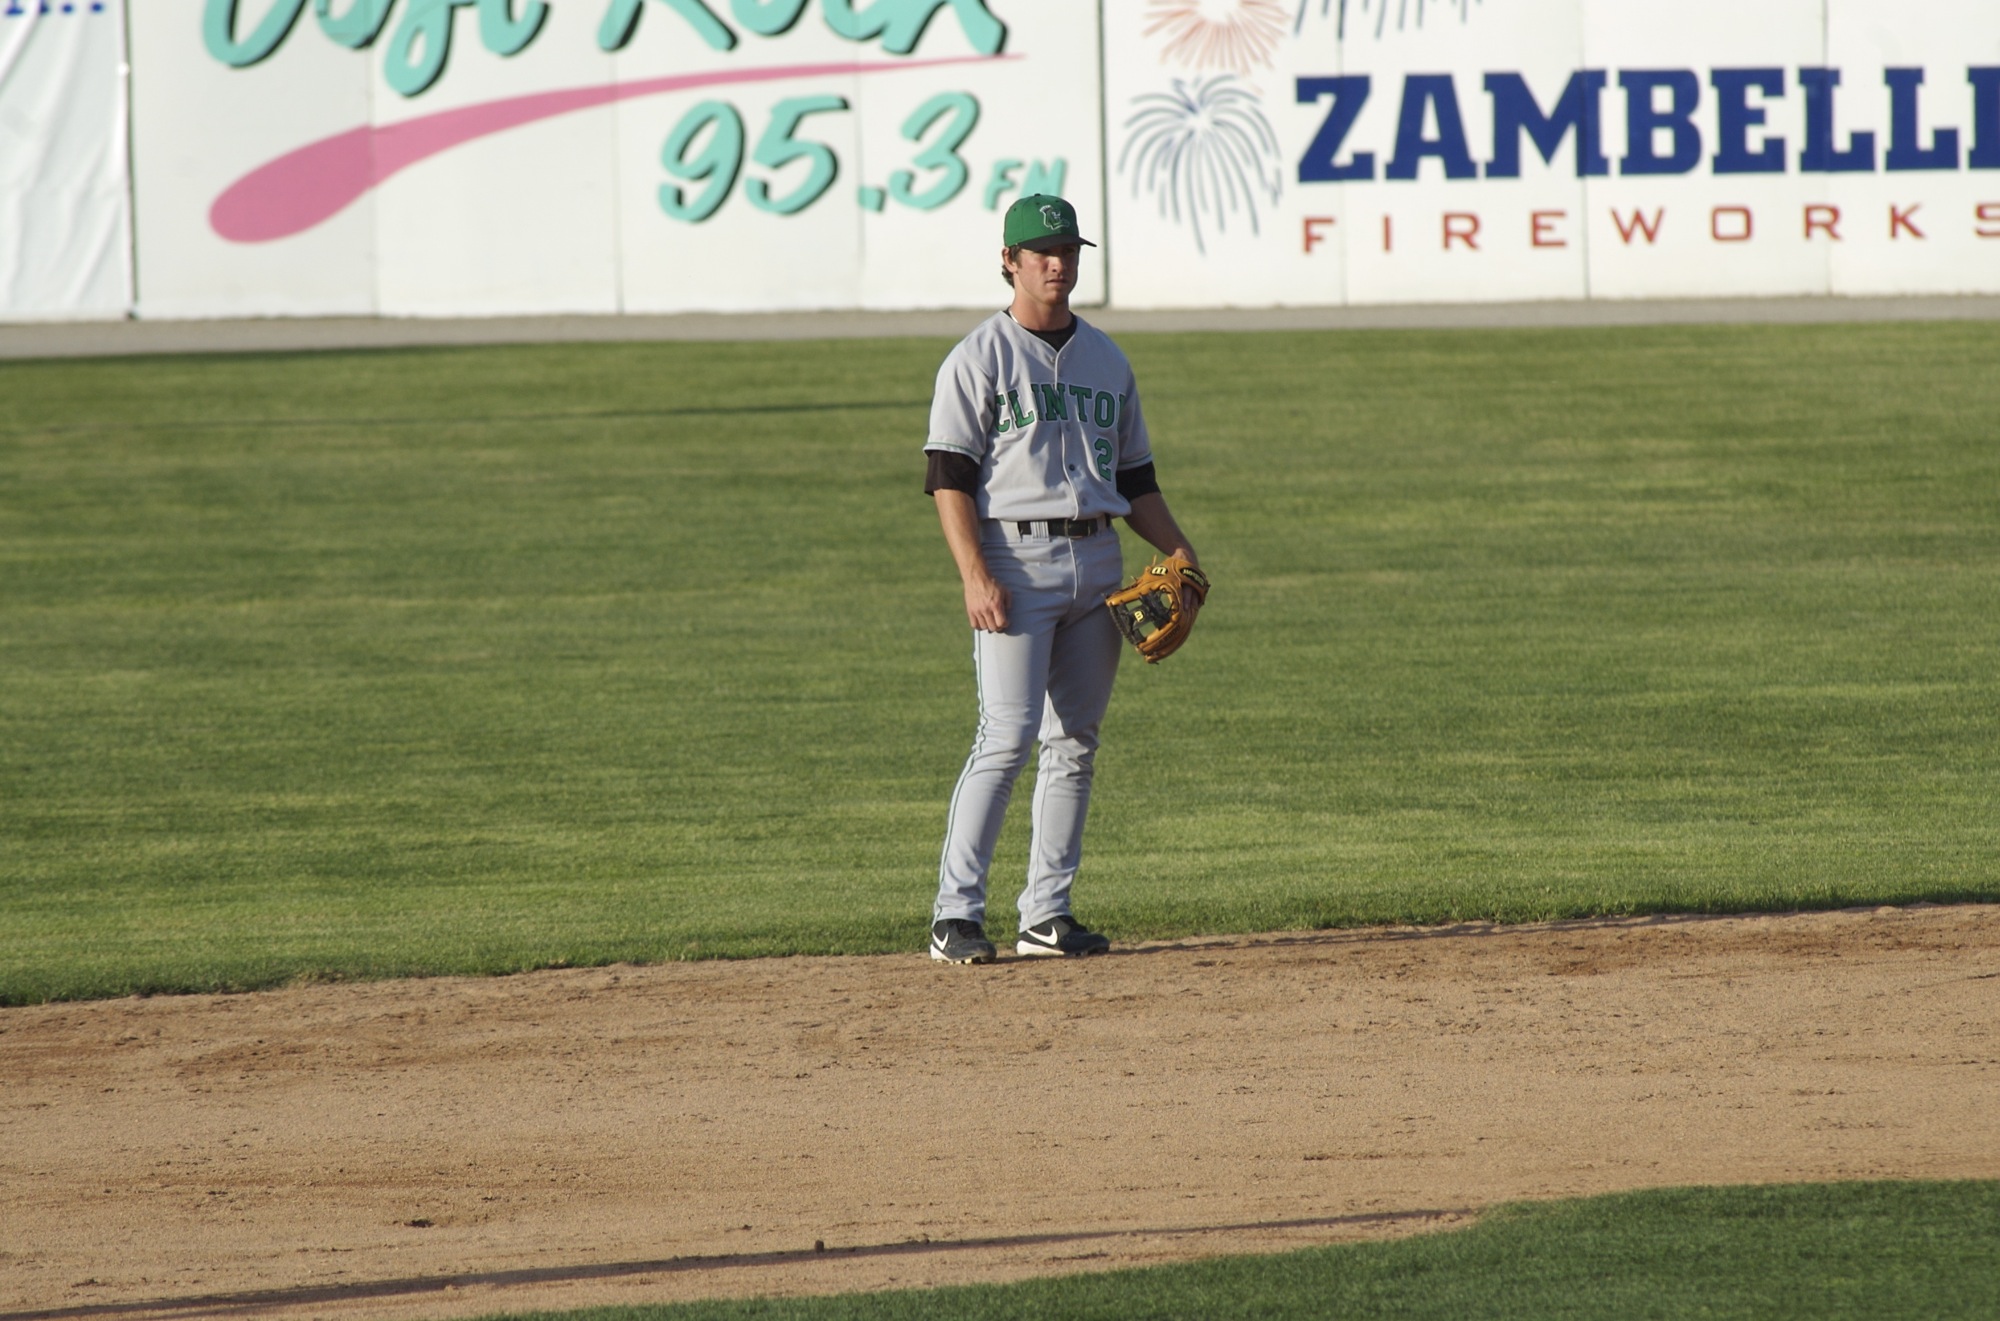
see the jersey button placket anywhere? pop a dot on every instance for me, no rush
(1068, 435)
(1075, 473)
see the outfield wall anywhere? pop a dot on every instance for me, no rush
(1527, 149)
(493, 157)
(65, 198)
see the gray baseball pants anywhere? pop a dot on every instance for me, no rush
(1048, 677)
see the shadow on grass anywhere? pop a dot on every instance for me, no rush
(563, 415)
(260, 1300)
(1488, 927)
(896, 945)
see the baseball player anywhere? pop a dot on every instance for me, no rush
(1036, 443)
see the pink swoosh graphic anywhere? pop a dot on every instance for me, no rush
(301, 188)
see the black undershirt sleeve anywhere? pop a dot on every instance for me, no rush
(951, 471)
(1137, 481)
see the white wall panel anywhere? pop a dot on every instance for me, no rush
(65, 201)
(200, 128)
(739, 256)
(903, 222)
(512, 222)
(1721, 228)
(1038, 127)
(1480, 235)
(1916, 230)
(1201, 125)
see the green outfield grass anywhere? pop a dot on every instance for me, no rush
(1811, 1252)
(357, 664)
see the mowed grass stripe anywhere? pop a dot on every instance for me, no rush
(1811, 1251)
(431, 661)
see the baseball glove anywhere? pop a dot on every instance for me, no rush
(1157, 611)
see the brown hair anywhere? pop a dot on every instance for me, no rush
(1013, 255)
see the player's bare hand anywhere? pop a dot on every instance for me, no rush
(986, 603)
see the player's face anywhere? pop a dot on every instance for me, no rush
(1048, 275)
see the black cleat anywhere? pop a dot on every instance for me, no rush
(1061, 937)
(960, 940)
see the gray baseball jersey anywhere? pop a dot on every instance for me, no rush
(1050, 431)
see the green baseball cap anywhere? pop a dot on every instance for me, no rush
(1042, 220)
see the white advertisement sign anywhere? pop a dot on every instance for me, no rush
(1272, 152)
(480, 157)
(490, 157)
(65, 208)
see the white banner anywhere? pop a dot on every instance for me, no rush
(482, 157)
(489, 157)
(1272, 152)
(65, 206)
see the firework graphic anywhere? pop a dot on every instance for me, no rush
(1233, 35)
(1204, 151)
(1409, 13)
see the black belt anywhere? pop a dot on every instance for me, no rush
(1063, 527)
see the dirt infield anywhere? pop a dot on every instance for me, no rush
(560, 1139)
